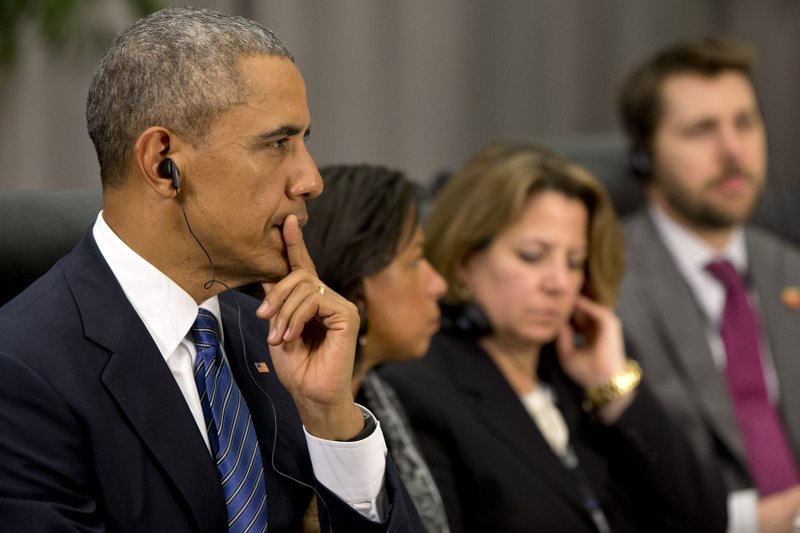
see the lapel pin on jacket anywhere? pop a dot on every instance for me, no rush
(790, 296)
(263, 368)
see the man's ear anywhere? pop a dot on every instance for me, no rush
(153, 146)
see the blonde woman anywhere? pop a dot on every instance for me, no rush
(528, 410)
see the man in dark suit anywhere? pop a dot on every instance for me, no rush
(124, 406)
(709, 302)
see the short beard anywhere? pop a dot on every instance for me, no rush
(702, 214)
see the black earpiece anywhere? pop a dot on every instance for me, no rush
(468, 320)
(169, 170)
(638, 156)
(639, 163)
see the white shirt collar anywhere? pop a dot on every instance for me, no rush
(691, 255)
(689, 251)
(167, 310)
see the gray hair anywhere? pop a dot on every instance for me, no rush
(176, 68)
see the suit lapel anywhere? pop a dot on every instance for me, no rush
(139, 381)
(684, 326)
(772, 268)
(502, 411)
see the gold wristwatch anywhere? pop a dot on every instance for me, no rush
(620, 384)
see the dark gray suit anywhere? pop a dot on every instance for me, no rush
(667, 329)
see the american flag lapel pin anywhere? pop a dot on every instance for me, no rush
(791, 297)
(261, 367)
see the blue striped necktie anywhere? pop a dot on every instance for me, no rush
(230, 431)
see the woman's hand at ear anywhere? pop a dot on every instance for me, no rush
(600, 357)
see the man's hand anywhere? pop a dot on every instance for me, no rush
(312, 341)
(776, 511)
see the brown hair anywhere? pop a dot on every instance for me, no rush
(639, 102)
(489, 193)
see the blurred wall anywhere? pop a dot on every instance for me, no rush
(419, 85)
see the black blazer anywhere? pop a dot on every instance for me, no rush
(497, 473)
(95, 434)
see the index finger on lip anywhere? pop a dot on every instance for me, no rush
(296, 250)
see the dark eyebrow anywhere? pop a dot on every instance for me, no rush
(283, 131)
(703, 122)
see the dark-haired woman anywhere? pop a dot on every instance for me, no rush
(529, 413)
(367, 244)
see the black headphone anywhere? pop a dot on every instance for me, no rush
(169, 170)
(639, 162)
(467, 320)
(638, 156)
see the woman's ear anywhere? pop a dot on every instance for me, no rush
(463, 282)
(363, 327)
(360, 300)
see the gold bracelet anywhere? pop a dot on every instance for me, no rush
(620, 384)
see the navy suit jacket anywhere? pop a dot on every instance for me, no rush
(96, 435)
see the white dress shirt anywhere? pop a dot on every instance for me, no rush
(691, 255)
(354, 471)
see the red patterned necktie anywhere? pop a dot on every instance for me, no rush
(772, 464)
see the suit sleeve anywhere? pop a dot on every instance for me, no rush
(44, 483)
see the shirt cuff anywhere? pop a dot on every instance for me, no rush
(743, 511)
(354, 471)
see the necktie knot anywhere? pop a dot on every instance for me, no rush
(727, 274)
(205, 330)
